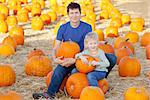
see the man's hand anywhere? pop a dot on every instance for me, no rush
(68, 62)
(58, 60)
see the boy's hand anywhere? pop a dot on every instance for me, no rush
(93, 63)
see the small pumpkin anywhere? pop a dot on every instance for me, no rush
(2, 17)
(2, 1)
(6, 50)
(48, 80)
(92, 93)
(67, 49)
(38, 66)
(107, 48)
(46, 19)
(148, 51)
(22, 15)
(41, 2)
(35, 11)
(75, 84)
(3, 27)
(104, 14)
(139, 20)
(122, 52)
(35, 52)
(53, 16)
(112, 31)
(100, 35)
(7, 76)
(116, 22)
(145, 39)
(85, 68)
(23, 1)
(103, 85)
(11, 95)
(136, 93)
(115, 13)
(11, 20)
(132, 36)
(136, 27)
(127, 44)
(4, 10)
(10, 41)
(37, 23)
(126, 19)
(129, 67)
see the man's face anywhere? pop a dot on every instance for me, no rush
(74, 15)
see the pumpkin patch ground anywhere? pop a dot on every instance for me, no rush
(41, 37)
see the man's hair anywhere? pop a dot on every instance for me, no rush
(73, 5)
(90, 36)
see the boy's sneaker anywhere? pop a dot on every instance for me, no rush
(42, 95)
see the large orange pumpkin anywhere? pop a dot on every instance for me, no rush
(129, 67)
(148, 51)
(92, 93)
(3, 27)
(7, 75)
(11, 95)
(117, 42)
(100, 34)
(17, 33)
(48, 80)
(11, 20)
(67, 49)
(35, 52)
(75, 84)
(103, 84)
(127, 44)
(38, 66)
(85, 68)
(37, 23)
(6, 50)
(145, 39)
(122, 52)
(136, 93)
(112, 31)
(132, 36)
(11, 41)
(107, 48)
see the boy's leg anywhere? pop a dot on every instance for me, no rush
(74, 71)
(112, 59)
(94, 76)
(59, 74)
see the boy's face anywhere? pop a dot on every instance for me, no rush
(92, 45)
(74, 15)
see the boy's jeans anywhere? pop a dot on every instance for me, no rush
(61, 72)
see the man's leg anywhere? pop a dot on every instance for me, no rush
(112, 59)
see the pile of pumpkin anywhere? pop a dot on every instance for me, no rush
(123, 46)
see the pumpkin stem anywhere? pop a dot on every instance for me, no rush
(127, 39)
(106, 42)
(34, 49)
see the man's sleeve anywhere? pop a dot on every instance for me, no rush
(60, 34)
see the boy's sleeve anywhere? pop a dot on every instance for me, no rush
(80, 54)
(103, 60)
(60, 34)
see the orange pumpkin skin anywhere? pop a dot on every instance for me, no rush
(127, 44)
(11, 95)
(100, 35)
(38, 66)
(6, 50)
(3, 27)
(35, 52)
(48, 80)
(2, 17)
(53, 16)
(136, 93)
(117, 42)
(107, 48)
(75, 84)
(112, 31)
(11, 41)
(46, 19)
(148, 51)
(92, 93)
(104, 14)
(145, 39)
(129, 67)
(84, 68)
(4, 9)
(67, 49)
(116, 22)
(37, 23)
(122, 52)
(7, 75)
(126, 19)
(103, 85)
(132, 36)
(11, 20)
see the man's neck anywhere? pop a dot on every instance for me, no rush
(75, 25)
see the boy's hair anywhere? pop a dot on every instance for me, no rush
(73, 5)
(90, 36)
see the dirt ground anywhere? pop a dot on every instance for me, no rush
(26, 85)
